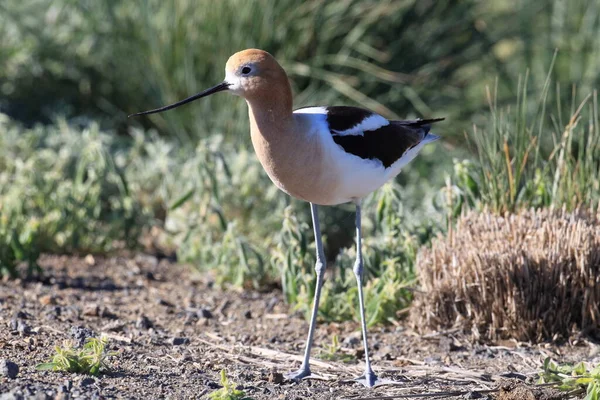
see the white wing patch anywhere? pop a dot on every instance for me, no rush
(371, 123)
(311, 110)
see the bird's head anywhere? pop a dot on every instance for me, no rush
(252, 74)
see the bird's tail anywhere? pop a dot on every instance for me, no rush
(430, 138)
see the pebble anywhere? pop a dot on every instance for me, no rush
(178, 341)
(66, 386)
(91, 310)
(52, 312)
(384, 353)
(23, 327)
(47, 300)
(248, 314)
(8, 369)
(352, 340)
(143, 322)
(87, 381)
(204, 313)
(433, 360)
(275, 377)
(28, 392)
(80, 334)
(163, 302)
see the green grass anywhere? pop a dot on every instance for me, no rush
(91, 359)
(531, 157)
(228, 391)
(103, 60)
(62, 190)
(576, 380)
(333, 352)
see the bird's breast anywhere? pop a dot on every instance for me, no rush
(297, 165)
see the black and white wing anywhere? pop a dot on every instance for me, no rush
(370, 136)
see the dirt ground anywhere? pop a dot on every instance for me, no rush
(173, 332)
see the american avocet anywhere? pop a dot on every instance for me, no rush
(322, 155)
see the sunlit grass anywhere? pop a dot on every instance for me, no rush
(91, 359)
(533, 158)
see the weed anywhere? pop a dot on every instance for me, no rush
(526, 159)
(90, 359)
(333, 352)
(575, 379)
(62, 190)
(228, 391)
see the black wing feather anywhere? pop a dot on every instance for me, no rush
(387, 143)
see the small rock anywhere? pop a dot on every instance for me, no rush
(13, 324)
(21, 315)
(143, 322)
(91, 310)
(66, 386)
(162, 302)
(47, 300)
(146, 259)
(190, 317)
(447, 345)
(213, 385)
(273, 301)
(90, 260)
(473, 395)
(23, 328)
(178, 341)
(150, 276)
(8, 369)
(352, 340)
(106, 313)
(87, 381)
(53, 312)
(248, 314)
(204, 313)
(80, 334)
(275, 377)
(384, 353)
(433, 360)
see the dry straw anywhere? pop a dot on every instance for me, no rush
(530, 276)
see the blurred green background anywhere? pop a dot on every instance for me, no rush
(77, 176)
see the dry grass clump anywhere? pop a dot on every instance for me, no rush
(531, 276)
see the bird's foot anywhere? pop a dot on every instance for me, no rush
(302, 373)
(370, 380)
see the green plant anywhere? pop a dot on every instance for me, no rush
(575, 379)
(526, 159)
(91, 359)
(333, 352)
(106, 59)
(63, 190)
(228, 391)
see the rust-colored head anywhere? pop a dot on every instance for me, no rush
(253, 74)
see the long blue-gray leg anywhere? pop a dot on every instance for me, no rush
(369, 379)
(304, 370)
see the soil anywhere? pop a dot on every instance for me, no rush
(173, 331)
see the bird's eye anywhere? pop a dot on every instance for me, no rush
(246, 70)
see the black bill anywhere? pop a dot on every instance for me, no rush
(219, 88)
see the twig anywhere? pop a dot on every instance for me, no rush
(118, 338)
(428, 395)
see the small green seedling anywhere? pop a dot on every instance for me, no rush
(90, 359)
(228, 391)
(333, 352)
(576, 379)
